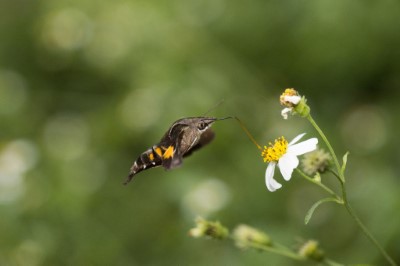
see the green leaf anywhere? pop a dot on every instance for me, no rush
(314, 206)
(344, 162)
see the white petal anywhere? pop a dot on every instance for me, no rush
(286, 164)
(285, 112)
(296, 139)
(292, 99)
(271, 183)
(303, 147)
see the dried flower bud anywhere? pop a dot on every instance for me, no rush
(293, 103)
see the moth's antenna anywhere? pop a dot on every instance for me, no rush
(214, 107)
(248, 133)
(223, 118)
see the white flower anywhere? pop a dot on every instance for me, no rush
(289, 100)
(293, 99)
(284, 155)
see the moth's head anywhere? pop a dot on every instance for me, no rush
(203, 123)
(200, 123)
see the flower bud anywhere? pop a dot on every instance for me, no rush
(302, 109)
(310, 250)
(206, 228)
(246, 236)
(293, 103)
(316, 162)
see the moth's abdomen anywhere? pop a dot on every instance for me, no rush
(146, 160)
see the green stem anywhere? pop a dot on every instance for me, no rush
(288, 253)
(365, 229)
(280, 246)
(335, 160)
(332, 263)
(282, 252)
(333, 172)
(278, 249)
(350, 210)
(312, 180)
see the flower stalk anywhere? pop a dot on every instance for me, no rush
(364, 229)
(246, 237)
(340, 176)
(296, 104)
(321, 185)
(327, 143)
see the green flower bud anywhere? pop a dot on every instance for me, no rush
(246, 236)
(316, 162)
(206, 228)
(302, 109)
(310, 250)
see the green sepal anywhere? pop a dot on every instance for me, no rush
(344, 164)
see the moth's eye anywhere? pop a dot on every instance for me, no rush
(202, 126)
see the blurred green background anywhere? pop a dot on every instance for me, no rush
(86, 86)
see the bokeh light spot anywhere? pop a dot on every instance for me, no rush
(15, 159)
(66, 136)
(141, 109)
(209, 196)
(66, 30)
(18, 157)
(112, 38)
(84, 176)
(29, 253)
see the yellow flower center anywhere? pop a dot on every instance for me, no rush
(275, 151)
(290, 92)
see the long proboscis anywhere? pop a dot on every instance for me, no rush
(247, 132)
(244, 129)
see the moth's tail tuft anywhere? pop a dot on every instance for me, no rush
(134, 170)
(128, 179)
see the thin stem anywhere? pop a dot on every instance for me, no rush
(332, 263)
(278, 249)
(280, 246)
(365, 229)
(312, 180)
(341, 178)
(324, 138)
(290, 254)
(333, 172)
(286, 253)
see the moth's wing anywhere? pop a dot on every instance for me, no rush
(181, 145)
(205, 138)
(172, 156)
